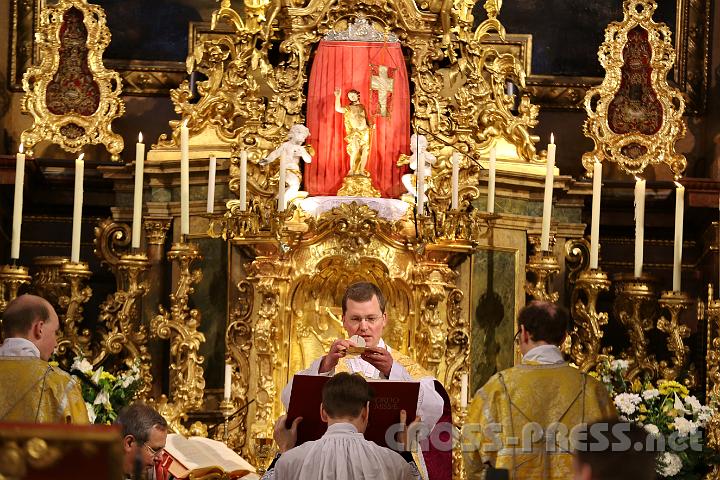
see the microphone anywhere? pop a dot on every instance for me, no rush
(418, 128)
(212, 428)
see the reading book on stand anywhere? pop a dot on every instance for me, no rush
(389, 398)
(202, 456)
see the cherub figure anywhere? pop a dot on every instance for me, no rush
(418, 149)
(292, 151)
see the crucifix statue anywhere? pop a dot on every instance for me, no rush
(382, 84)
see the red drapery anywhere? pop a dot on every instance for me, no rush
(346, 65)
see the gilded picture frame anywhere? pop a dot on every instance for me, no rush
(691, 33)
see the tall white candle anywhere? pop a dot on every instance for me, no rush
(228, 381)
(677, 257)
(137, 201)
(547, 201)
(184, 180)
(77, 209)
(420, 184)
(243, 180)
(454, 200)
(595, 219)
(491, 180)
(282, 184)
(464, 390)
(18, 203)
(211, 184)
(639, 224)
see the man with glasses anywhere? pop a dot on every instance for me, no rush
(144, 432)
(364, 316)
(520, 420)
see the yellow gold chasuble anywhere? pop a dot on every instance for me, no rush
(35, 391)
(507, 421)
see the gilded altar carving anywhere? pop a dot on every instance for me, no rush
(634, 116)
(71, 96)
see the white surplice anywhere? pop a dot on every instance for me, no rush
(430, 403)
(342, 454)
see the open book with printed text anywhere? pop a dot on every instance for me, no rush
(202, 456)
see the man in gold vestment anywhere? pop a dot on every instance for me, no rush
(521, 419)
(34, 390)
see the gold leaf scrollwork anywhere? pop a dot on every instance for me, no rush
(56, 102)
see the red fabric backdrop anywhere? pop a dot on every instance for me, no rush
(346, 65)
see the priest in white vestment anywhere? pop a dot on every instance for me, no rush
(342, 453)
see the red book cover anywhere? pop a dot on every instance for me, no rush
(390, 398)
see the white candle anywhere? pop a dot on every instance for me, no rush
(679, 213)
(420, 184)
(184, 180)
(137, 202)
(77, 209)
(547, 201)
(639, 224)
(18, 203)
(243, 180)
(454, 201)
(281, 184)
(595, 219)
(491, 180)
(464, 390)
(211, 184)
(228, 381)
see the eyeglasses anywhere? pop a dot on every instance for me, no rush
(516, 339)
(155, 453)
(370, 319)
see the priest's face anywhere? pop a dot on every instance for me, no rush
(148, 452)
(365, 319)
(45, 335)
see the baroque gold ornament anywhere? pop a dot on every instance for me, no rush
(634, 116)
(71, 96)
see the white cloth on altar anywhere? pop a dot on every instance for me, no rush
(342, 454)
(388, 208)
(18, 347)
(430, 403)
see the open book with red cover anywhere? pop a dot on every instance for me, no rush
(390, 397)
(202, 457)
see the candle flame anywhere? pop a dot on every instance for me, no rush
(80, 158)
(185, 122)
(22, 148)
(552, 138)
(678, 184)
(140, 137)
(638, 179)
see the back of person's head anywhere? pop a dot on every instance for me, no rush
(614, 450)
(138, 419)
(363, 292)
(345, 395)
(21, 313)
(545, 322)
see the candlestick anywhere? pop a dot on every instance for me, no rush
(595, 219)
(211, 184)
(184, 180)
(677, 257)
(243, 180)
(281, 184)
(137, 201)
(454, 201)
(547, 201)
(420, 184)
(228, 381)
(77, 209)
(18, 203)
(491, 180)
(464, 390)
(639, 224)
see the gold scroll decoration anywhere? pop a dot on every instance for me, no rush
(71, 96)
(634, 116)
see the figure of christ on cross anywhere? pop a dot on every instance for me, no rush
(383, 85)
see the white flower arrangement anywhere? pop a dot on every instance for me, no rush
(104, 393)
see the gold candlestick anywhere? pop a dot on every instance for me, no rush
(12, 277)
(587, 333)
(675, 303)
(541, 268)
(73, 340)
(226, 407)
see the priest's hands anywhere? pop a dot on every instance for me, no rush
(286, 438)
(379, 358)
(408, 436)
(337, 350)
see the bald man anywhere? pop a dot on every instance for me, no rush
(34, 390)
